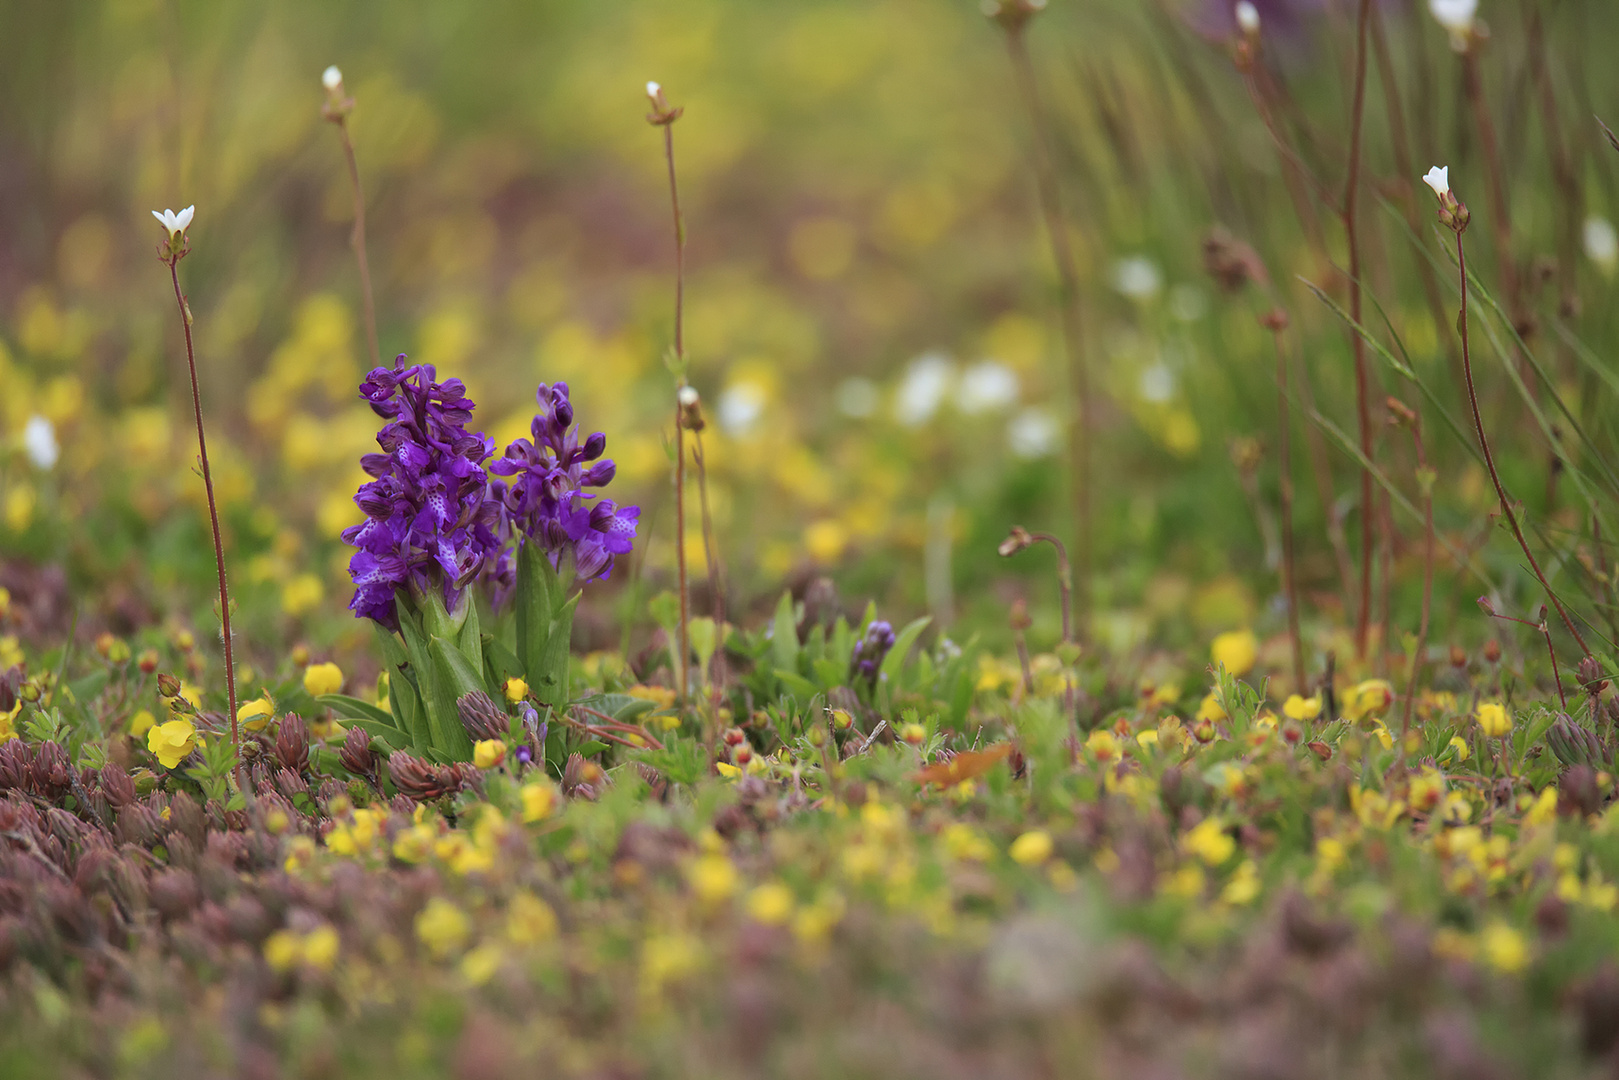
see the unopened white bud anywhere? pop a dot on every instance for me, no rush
(1247, 17)
(331, 78)
(687, 396)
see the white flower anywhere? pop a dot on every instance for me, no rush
(1157, 384)
(922, 391)
(1456, 16)
(740, 407)
(857, 397)
(986, 386)
(331, 78)
(1032, 433)
(1439, 180)
(1137, 277)
(687, 396)
(39, 440)
(1247, 17)
(1602, 243)
(653, 90)
(175, 223)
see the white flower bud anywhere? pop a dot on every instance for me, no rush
(687, 396)
(331, 78)
(1247, 17)
(39, 441)
(1457, 17)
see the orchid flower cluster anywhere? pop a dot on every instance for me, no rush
(436, 521)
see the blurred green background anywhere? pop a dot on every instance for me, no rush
(871, 301)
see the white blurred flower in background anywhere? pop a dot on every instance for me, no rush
(923, 388)
(740, 407)
(1033, 433)
(857, 397)
(1137, 277)
(39, 442)
(1602, 244)
(987, 386)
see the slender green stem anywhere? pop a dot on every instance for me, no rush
(359, 242)
(1351, 218)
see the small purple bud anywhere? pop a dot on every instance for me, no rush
(595, 446)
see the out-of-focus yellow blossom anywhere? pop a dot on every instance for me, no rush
(1187, 882)
(539, 800)
(771, 904)
(442, 927)
(141, 723)
(302, 594)
(255, 715)
(1426, 789)
(1102, 745)
(300, 853)
(1504, 948)
(326, 678)
(1032, 848)
(1209, 841)
(1459, 749)
(1244, 886)
(10, 652)
(1494, 720)
(488, 753)
(413, 845)
(962, 841)
(1210, 709)
(530, 920)
(713, 879)
(171, 742)
(479, 965)
(1368, 699)
(1148, 738)
(1236, 651)
(661, 696)
(1375, 809)
(516, 690)
(666, 958)
(1544, 809)
(356, 835)
(1302, 709)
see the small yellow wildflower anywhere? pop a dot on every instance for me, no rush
(171, 742)
(713, 879)
(661, 696)
(1544, 809)
(1032, 848)
(1459, 748)
(1504, 948)
(480, 965)
(771, 904)
(321, 946)
(282, 950)
(1102, 745)
(255, 715)
(414, 844)
(326, 678)
(1494, 720)
(1210, 709)
(1209, 841)
(530, 920)
(1368, 699)
(1243, 888)
(539, 800)
(1236, 651)
(516, 690)
(488, 753)
(961, 841)
(1302, 709)
(442, 927)
(141, 723)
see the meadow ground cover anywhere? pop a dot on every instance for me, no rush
(933, 540)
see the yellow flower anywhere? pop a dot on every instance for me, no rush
(1302, 708)
(530, 920)
(1494, 720)
(1462, 750)
(1032, 848)
(255, 715)
(1504, 948)
(480, 965)
(713, 878)
(442, 927)
(488, 753)
(171, 742)
(661, 696)
(321, 947)
(1102, 745)
(539, 800)
(1210, 709)
(322, 679)
(770, 904)
(1244, 885)
(1369, 698)
(1236, 651)
(962, 842)
(282, 950)
(516, 690)
(141, 723)
(1209, 841)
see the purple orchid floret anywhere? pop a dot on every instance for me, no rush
(546, 502)
(430, 519)
(870, 650)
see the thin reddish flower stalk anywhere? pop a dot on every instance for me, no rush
(359, 242)
(1489, 457)
(1425, 482)
(1014, 19)
(711, 557)
(1363, 405)
(1276, 321)
(173, 260)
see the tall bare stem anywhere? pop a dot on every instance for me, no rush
(1363, 405)
(1276, 323)
(663, 116)
(172, 257)
(1013, 16)
(337, 108)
